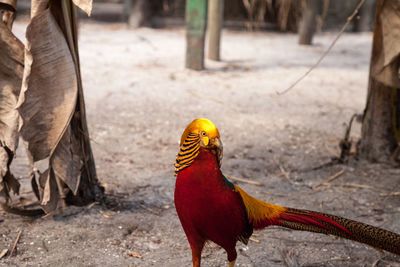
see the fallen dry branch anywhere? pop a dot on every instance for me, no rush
(363, 186)
(390, 194)
(15, 243)
(254, 240)
(330, 179)
(243, 180)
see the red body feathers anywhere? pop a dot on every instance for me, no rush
(208, 208)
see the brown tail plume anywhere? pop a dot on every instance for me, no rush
(311, 221)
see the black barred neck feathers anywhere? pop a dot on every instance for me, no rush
(188, 152)
(199, 133)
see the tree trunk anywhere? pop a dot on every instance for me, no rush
(378, 134)
(308, 21)
(215, 24)
(365, 15)
(140, 13)
(196, 22)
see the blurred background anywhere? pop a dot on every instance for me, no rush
(277, 15)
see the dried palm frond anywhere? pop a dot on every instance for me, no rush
(42, 100)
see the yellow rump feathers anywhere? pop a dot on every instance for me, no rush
(259, 212)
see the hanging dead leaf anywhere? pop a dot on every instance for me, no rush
(48, 187)
(85, 5)
(53, 127)
(11, 70)
(38, 6)
(49, 87)
(66, 161)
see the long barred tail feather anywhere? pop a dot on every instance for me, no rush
(311, 221)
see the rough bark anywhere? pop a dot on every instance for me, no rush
(139, 13)
(215, 24)
(365, 17)
(378, 137)
(308, 22)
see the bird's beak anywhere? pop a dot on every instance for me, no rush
(217, 143)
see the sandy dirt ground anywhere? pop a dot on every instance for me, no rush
(140, 98)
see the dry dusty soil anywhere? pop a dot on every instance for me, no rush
(139, 99)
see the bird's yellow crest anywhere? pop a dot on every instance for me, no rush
(200, 126)
(199, 133)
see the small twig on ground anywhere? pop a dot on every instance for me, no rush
(155, 212)
(375, 263)
(243, 180)
(44, 246)
(3, 253)
(349, 19)
(105, 214)
(49, 214)
(352, 185)
(389, 194)
(274, 194)
(91, 205)
(289, 257)
(254, 240)
(134, 254)
(286, 175)
(15, 243)
(330, 179)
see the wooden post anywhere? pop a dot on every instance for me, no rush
(215, 24)
(308, 21)
(196, 23)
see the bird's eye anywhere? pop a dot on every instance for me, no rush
(203, 133)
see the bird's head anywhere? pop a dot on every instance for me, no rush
(199, 134)
(206, 131)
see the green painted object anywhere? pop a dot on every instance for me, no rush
(196, 24)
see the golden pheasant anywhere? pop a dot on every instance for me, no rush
(211, 208)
